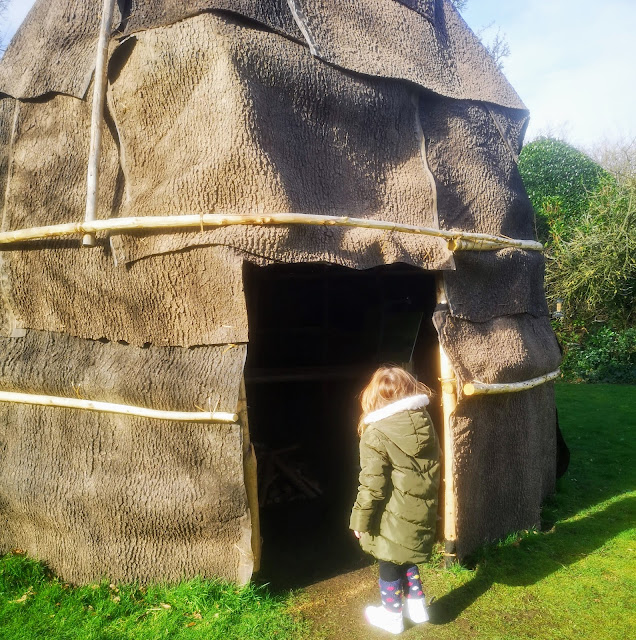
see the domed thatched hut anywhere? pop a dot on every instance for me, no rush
(388, 134)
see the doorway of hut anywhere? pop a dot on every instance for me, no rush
(316, 334)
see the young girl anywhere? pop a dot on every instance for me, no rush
(395, 512)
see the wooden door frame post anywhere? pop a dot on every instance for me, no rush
(251, 478)
(449, 403)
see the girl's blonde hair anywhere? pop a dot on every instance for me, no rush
(388, 384)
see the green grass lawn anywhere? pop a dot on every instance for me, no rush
(36, 605)
(574, 579)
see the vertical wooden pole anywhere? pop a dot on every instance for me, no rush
(449, 402)
(251, 478)
(99, 95)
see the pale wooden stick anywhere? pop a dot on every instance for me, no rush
(124, 225)
(462, 244)
(250, 472)
(124, 409)
(449, 385)
(449, 403)
(97, 119)
(481, 388)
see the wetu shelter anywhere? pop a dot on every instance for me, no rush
(288, 192)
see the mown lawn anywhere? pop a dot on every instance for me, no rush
(36, 605)
(574, 579)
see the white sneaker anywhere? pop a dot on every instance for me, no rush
(415, 610)
(383, 619)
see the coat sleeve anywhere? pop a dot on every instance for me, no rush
(374, 482)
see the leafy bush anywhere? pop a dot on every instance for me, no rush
(559, 180)
(606, 355)
(594, 270)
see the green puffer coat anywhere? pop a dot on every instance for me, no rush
(396, 507)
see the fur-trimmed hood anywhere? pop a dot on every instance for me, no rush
(404, 422)
(410, 403)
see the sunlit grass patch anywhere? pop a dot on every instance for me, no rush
(35, 604)
(576, 577)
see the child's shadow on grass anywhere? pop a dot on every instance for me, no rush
(536, 557)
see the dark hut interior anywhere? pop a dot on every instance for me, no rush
(317, 332)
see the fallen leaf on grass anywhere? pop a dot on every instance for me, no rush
(165, 605)
(190, 624)
(22, 599)
(29, 592)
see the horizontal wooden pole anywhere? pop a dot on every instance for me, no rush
(477, 241)
(482, 388)
(124, 409)
(464, 244)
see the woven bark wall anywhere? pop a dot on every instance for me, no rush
(504, 457)
(262, 126)
(130, 498)
(503, 446)
(495, 327)
(96, 494)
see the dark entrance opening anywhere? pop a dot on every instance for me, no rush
(317, 333)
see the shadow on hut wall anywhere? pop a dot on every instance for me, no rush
(534, 558)
(317, 332)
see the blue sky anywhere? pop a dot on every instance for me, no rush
(572, 62)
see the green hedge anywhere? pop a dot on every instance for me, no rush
(559, 180)
(605, 355)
